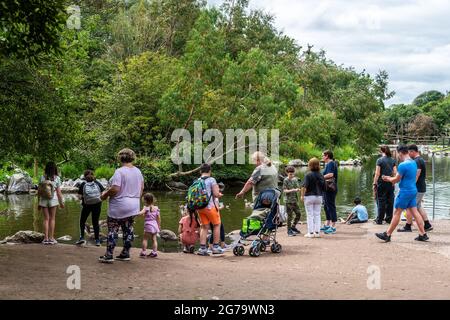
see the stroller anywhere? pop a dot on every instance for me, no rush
(262, 223)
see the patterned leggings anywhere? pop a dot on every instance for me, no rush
(113, 231)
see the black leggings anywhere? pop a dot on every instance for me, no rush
(385, 202)
(85, 212)
(222, 233)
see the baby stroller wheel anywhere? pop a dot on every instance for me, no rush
(262, 246)
(254, 252)
(238, 251)
(275, 247)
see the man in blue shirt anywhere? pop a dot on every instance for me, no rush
(406, 198)
(329, 196)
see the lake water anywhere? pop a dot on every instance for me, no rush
(21, 210)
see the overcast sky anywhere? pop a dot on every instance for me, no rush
(408, 39)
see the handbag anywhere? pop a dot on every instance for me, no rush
(330, 185)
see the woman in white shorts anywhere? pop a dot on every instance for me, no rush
(49, 205)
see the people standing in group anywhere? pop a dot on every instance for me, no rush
(291, 189)
(421, 190)
(127, 185)
(90, 192)
(265, 176)
(312, 196)
(330, 173)
(406, 198)
(49, 197)
(152, 225)
(383, 190)
(188, 230)
(210, 214)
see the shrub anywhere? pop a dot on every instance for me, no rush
(70, 171)
(105, 172)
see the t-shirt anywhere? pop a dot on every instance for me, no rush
(56, 182)
(209, 183)
(264, 177)
(126, 202)
(386, 165)
(361, 212)
(314, 184)
(408, 170)
(331, 167)
(421, 183)
(81, 189)
(289, 184)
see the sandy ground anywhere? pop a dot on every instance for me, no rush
(332, 267)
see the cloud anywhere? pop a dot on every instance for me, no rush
(408, 39)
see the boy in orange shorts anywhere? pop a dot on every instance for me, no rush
(210, 214)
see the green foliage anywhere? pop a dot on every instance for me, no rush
(155, 171)
(70, 171)
(30, 28)
(427, 97)
(345, 152)
(104, 172)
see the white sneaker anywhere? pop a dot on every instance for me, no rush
(316, 235)
(309, 235)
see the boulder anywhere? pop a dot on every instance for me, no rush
(3, 187)
(168, 235)
(19, 182)
(103, 182)
(297, 163)
(24, 237)
(177, 185)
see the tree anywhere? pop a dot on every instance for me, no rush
(426, 97)
(30, 28)
(422, 125)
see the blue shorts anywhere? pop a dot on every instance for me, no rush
(405, 201)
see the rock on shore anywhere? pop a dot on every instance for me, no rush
(24, 237)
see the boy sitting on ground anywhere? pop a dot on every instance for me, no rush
(358, 214)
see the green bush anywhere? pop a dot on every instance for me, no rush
(104, 172)
(345, 153)
(70, 171)
(155, 171)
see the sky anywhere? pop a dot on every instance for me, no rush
(408, 39)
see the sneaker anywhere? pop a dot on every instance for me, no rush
(404, 229)
(209, 251)
(45, 242)
(80, 242)
(217, 250)
(153, 254)
(185, 249)
(316, 235)
(52, 241)
(143, 254)
(98, 243)
(203, 252)
(377, 222)
(330, 230)
(226, 247)
(422, 238)
(291, 233)
(295, 230)
(106, 259)
(429, 228)
(309, 235)
(325, 227)
(123, 257)
(383, 236)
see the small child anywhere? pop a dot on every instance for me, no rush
(188, 230)
(291, 188)
(358, 214)
(152, 225)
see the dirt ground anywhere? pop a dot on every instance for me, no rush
(331, 267)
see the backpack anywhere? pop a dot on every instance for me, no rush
(46, 189)
(91, 193)
(197, 196)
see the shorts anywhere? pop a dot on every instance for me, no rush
(419, 199)
(45, 203)
(405, 201)
(209, 215)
